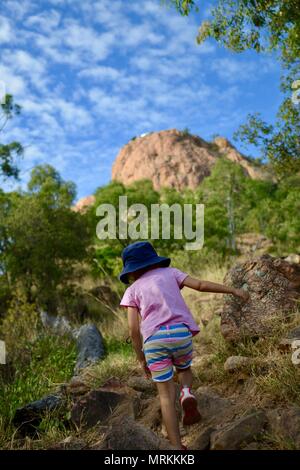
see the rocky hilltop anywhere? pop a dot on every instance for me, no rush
(175, 159)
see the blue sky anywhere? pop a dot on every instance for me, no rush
(91, 74)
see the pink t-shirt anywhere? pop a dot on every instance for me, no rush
(157, 296)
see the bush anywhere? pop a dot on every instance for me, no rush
(52, 362)
(19, 329)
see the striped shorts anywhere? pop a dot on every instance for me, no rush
(170, 346)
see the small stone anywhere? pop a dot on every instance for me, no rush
(203, 361)
(236, 363)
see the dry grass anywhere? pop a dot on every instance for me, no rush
(274, 377)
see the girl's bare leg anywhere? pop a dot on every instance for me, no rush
(185, 377)
(167, 396)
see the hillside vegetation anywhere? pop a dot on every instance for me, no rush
(51, 260)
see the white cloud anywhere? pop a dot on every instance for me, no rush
(18, 9)
(100, 73)
(23, 63)
(233, 70)
(6, 34)
(91, 74)
(14, 84)
(44, 22)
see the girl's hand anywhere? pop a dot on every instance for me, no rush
(241, 294)
(145, 368)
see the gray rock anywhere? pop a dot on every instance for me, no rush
(127, 434)
(289, 338)
(58, 325)
(90, 346)
(28, 418)
(237, 363)
(202, 441)
(240, 431)
(210, 404)
(284, 423)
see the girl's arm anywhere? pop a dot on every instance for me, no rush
(137, 341)
(207, 286)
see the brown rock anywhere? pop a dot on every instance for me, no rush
(251, 446)
(151, 413)
(95, 407)
(202, 441)
(240, 431)
(70, 443)
(230, 152)
(140, 384)
(285, 424)
(173, 159)
(76, 386)
(273, 285)
(84, 203)
(127, 434)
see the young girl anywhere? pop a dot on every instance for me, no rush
(161, 327)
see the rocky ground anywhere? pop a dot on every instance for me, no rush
(246, 384)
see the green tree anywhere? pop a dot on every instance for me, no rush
(106, 258)
(107, 252)
(9, 152)
(42, 239)
(263, 25)
(222, 194)
(47, 184)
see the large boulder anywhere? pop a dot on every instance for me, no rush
(211, 405)
(90, 346)
(274, 288)
(175, 159)
(28, 417)
(284, 424)
(127, 434)
(241, 431)
(95, 407)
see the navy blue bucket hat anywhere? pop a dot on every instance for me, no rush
(140, 255)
